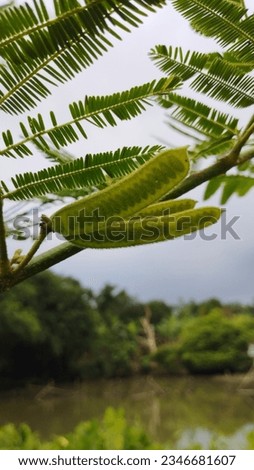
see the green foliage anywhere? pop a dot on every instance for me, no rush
(41, 50)
(250, 438)
(207, 121)
(224, 75)
(231, 27)
(111, 433)
(80, 173)
(229, 185)
(18, 438)
(213, 344)
(100, 111)
(114, 349)
(52, 328)
(215, 78)
(169, 328)
(193, 309)
(245, 323)
(168, 359)
(45, 327)
(159, 310)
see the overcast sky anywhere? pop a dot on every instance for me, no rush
(175, 270)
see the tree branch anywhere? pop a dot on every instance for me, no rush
(220, 167)
(44, 261)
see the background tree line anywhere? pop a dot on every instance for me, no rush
(54, 328)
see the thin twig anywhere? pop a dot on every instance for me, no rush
(44, 230)
(4, 261)
(220, 167)
(242, 140)
(46, 260)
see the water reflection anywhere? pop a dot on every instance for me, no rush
(181, 412)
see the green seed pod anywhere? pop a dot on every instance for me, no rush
(168, 207)
(126, 197)
(119, 233)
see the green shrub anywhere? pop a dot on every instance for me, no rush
(18, 438)
(168, 359)
(250, 440)
(214, 344)
(111, 433)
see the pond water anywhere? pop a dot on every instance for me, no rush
(178, 412)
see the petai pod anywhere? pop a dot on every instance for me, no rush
(120, 233)
(124, 198)
(168, 207)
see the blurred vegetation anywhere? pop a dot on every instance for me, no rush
(52, 328)
(111, 432)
